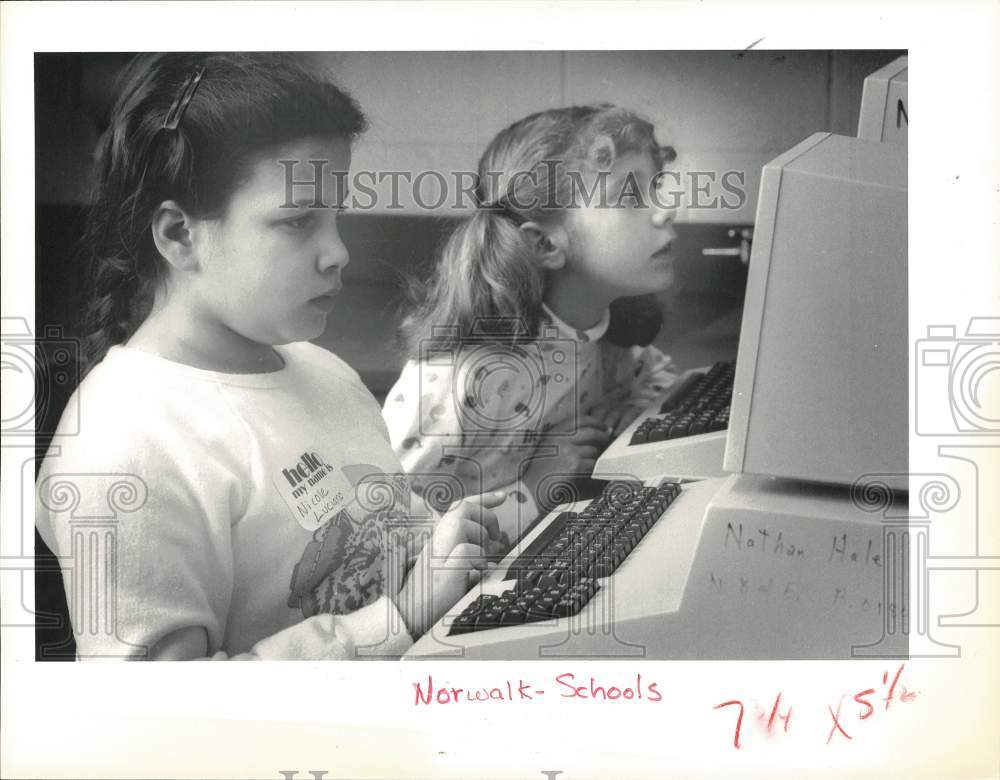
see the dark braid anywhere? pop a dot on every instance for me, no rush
(244, 105)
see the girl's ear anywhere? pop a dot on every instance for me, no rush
(172, 235)
(550, 244)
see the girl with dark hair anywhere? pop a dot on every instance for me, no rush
(257, 466)
(528, 350)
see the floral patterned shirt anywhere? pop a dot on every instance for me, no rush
(476, 414)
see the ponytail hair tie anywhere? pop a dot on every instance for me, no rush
(180, 104)
(501, 208)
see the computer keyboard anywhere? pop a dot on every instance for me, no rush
(733, 568)
(681, 436)
(557, 574)
(698, 404)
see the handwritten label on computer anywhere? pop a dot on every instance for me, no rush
(807, 569)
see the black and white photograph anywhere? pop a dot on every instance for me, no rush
(531, 357)
(590, 387)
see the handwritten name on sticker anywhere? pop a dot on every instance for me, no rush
(849, 712)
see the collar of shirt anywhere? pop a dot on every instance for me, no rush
(590, 334)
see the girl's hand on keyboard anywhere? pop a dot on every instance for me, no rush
(612, 410)
(452, 561)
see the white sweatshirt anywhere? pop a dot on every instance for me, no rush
(228, 503)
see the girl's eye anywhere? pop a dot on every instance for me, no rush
(298, 224)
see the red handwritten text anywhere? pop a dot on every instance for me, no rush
(844, 716)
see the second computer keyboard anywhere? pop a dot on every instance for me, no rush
(699, 404)
(557, 574)
(681, 436)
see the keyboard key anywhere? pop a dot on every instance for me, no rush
(670, 489)
(523, 604)
(657, 434)
(566, 607)
(679, 391)
(640, 435)
(543, 609)
(541, 542)
(489, 618)
(463, 624)
(547, 581)
(677, 430)
(514, 616)
(603, 566)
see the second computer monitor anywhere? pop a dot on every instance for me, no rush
(884, 112)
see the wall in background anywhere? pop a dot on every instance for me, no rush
(720, 110)
(436, 111)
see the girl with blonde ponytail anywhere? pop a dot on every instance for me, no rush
(529, 348)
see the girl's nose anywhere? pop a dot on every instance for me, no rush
(332, 252)
(663, 216)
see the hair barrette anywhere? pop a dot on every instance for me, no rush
(180, 104)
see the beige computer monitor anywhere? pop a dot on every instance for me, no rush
(820, 391)
(884, 110)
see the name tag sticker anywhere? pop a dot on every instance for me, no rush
(313, 490)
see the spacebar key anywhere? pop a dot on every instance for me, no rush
(526, 559)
